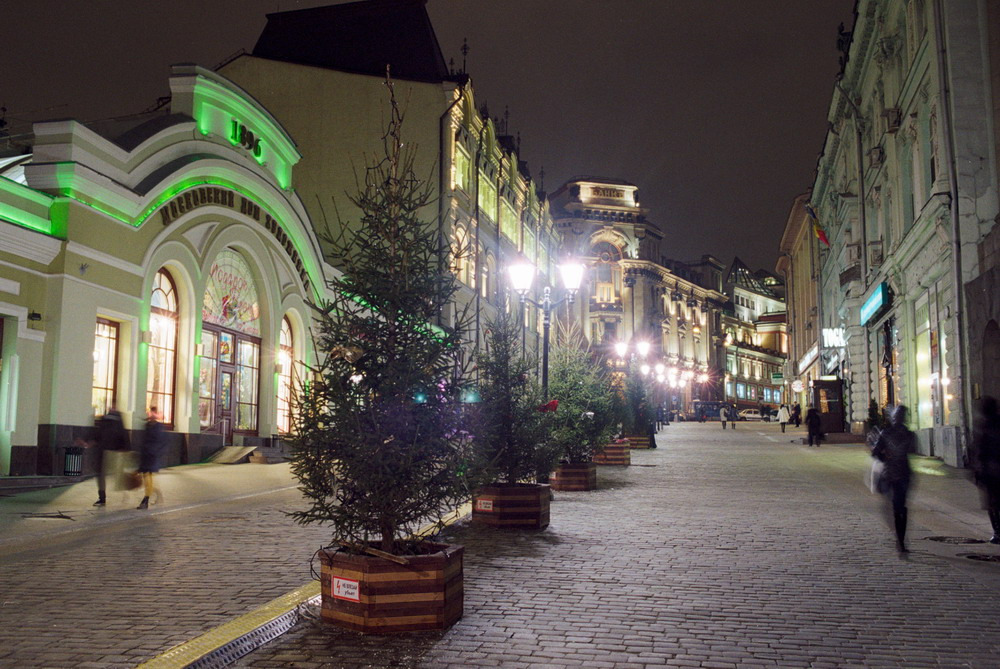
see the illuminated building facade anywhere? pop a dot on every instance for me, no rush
(754, 331)
(164, 261)
(633, 293)
(906, 192)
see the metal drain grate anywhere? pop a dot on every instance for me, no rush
(237, 648)
(956, 540)
(982, 557)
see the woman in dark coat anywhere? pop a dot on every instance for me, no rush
(985, 461)
(813, 424)
(893, 449)
(150, 452)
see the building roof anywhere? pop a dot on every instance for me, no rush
(361, 37)
(741, 276)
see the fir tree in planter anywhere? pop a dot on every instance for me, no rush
(510, 433)
(585, 419)
(639, 414)
(379, 447)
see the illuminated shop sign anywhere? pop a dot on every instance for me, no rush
(202, 196)
(603, 191)
(875, 303)
(833, 337)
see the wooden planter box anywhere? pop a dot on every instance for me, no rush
(614, 454)
(574, 476)
(638, 441)
(373, 595)
(521, 505)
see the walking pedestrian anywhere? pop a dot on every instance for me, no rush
(150, 452)
(797, 414)
(893, 449)
(813, 424)
(723, 416)
(783, 416)
(109, 438)
(985, 461)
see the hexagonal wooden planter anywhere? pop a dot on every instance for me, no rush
(574, 476)
(638, 440)
(518, 505)
(614, 454)
(374, 595)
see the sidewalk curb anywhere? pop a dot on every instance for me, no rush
(227, 643)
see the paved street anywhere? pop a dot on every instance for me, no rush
(723, 549)
(129, 584)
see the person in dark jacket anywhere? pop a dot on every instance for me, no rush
(108, 434)
(813, 424)
(985, 461)
(893, 449)
(797, 414)
(150, 453)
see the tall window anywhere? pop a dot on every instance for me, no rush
(161, 369)
(105, 383)
(286, 355)
(247, 369)
(607, 273)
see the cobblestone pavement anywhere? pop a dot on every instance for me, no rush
(123, 591)
(721, 549)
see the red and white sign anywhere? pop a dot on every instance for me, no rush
(346, 588)
(484, 505)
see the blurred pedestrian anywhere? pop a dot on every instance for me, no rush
(784, 416)
(109, 437)
(814, 426)
(150, 452)
(797, 414)
(724, 416)
(985, 461)
(893, 449)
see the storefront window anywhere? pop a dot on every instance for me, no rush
(246, 375)
(162, 354)
(925, 380)
(105, 382)
(207, 380)
(741, 391)
(729, 388)
(286, 356)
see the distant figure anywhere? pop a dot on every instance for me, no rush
(985, 461)
(893, 449)
(108, 434)
(150, 452)
(797, 414)
(813, 426)
(784, 416)
(724, 416)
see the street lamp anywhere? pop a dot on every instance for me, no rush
(521, 275)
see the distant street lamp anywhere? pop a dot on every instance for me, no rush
(522, 274)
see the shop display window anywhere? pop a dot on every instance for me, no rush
(162, 353)
(105, 381)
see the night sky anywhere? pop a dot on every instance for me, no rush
(716, 109)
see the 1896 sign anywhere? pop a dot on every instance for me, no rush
(240, 134)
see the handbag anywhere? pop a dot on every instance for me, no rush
(133, 480)
(875, 473)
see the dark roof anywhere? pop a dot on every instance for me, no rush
(361, 37)
(740, 275)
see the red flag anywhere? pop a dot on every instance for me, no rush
(817, 228)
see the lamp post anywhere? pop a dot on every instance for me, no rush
(521, 276)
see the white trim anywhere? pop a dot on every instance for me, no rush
(28, 244)
(23, 332)
(9, 286)
(107, 259)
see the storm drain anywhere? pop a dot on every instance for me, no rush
(237, 648)
(956, 540)
(982, 557)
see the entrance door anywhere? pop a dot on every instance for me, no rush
(828, 398)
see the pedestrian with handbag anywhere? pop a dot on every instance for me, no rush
(150, 453)
(724, 416)
(985, 461)
(893, 449)
(109, 438)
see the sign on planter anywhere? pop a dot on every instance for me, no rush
(484, 505)
(346, 588)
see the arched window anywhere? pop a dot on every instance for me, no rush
(461, 252)
(286, 361)
(161, 368)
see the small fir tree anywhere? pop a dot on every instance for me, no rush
(586, 417)
(379, 446)
(510, 431)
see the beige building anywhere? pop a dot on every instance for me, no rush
(798, 265)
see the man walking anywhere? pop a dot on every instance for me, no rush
(108, 434)
(893, 449)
